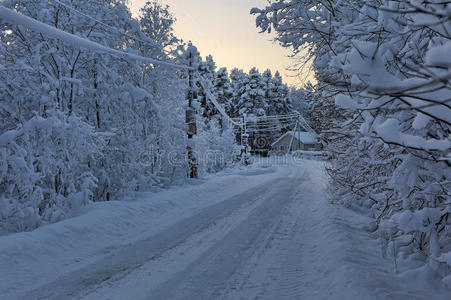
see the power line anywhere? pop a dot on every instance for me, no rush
(79, 42)
(16, 18)
(149, 41)
(213, 99)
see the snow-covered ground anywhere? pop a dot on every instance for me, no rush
(266, 232)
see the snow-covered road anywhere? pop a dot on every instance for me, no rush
(264, 233)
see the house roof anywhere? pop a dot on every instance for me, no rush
(307, 138)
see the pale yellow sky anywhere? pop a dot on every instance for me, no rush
(226, 30)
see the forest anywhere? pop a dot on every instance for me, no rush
(81, 126)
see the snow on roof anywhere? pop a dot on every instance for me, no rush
(307, 138)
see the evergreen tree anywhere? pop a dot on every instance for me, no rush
(279, 97)
(223, 90)
(252, 101)
(237, 78)
(267, 78)
(207, 70)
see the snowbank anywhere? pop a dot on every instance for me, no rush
(41, 256)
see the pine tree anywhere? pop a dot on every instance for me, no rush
(207, 70)
(252, 101)
(267, 78)
(279, 96)
(237, 78)
(223, 90)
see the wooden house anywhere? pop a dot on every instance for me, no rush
(294, 141)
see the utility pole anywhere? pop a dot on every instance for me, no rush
(191, 114)
(292, 137)
(244, 141)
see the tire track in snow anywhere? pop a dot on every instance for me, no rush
(211, 276)
(275, 271)
(124, 261)
(289, 268)
(154, 273)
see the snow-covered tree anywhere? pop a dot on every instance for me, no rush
(267, 80)
(157, 30)
(81, 125)
(223, 90)
(237, 80)
(252, 99)
(384, 64)
(279, 98)
(207, 70)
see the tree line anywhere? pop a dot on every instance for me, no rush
(79, 126)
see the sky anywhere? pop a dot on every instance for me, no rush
(226, 30)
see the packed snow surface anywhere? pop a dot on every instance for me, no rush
(264, 232)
